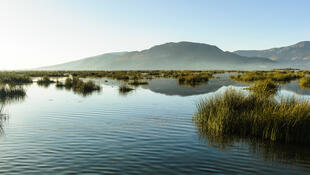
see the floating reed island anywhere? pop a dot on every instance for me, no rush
(255, 115)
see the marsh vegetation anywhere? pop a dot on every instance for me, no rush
(276, 76)
(138, 83)
(255, 115)
(252, 116)
(124, 89)
(305, 82)
(13, 78)
(45, 81)
(9, 94)
(78, 86)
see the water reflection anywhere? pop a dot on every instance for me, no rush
(267, 150)
(142, 133)
(172, 87)
(8, 95)
(294, 86)
(3, 117)
(44, 85)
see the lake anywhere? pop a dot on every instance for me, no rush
(147, 131)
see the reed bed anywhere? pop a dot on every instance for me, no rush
(14, 79)
(235, 113)
(194, 80)
(124, 89)
(45, 81)
(79, 86)
(276, 76)
(8, 94)
(305, 82)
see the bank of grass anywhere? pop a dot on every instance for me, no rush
(305, 82)
(250, 115)
(14, 79)
(184, 77)
(276, 76)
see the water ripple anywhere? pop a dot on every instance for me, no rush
(112, 134)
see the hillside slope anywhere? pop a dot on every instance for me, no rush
(297, 55)
(181, 55)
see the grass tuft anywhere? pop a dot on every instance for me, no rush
(237, 114)
(79, 86)
(45, 81)
(125, 89)
(305, 82)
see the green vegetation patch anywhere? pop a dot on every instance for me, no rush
(249, 115)
(79, 86)
(277, 76)
(305, 82)
(45, 81)
(125, 89)
(13, 78)
(8, 94)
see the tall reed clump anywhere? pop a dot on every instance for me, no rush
(264, 88)
(45, 81)
(79, 86)
(193, 79)
(305, 82)
(14, 79)
(8, 94)
(124, 89)
(249, 115)
(276, 76)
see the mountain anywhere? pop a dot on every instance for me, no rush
(297, 55)
(181, 55)
(90, 63)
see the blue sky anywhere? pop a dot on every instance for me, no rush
(36, 33)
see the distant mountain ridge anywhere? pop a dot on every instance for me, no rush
(169, 56)
(297, 55)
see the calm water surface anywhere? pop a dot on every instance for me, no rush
(147, 131)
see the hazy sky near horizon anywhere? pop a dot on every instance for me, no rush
(36, 33)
